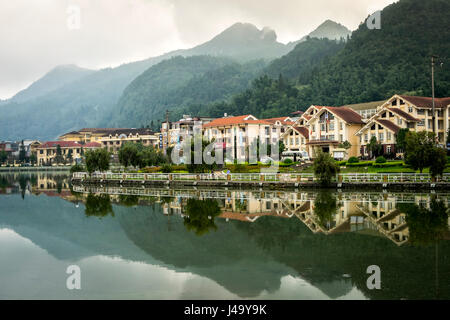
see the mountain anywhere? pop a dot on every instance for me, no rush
(242, 41)
(300, 62)
(56, 78)
(371, 66)
(46, 111)
(327, 30)
(180, 82)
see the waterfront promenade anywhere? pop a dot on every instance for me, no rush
(267, 180)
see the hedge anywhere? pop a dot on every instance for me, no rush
(388, 164)
(360, 164)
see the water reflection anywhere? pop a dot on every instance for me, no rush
(243, 243)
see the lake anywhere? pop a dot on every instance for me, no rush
(187, 243)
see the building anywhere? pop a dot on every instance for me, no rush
(70, 151)
(235, 135)
(329, 127)
(295, 141)
(404, 112)
(112, 138)
(174, 133)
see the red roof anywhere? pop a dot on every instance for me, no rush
(346, 114)
(388, 124)
(62, 144)
(403, 114)
(281, 119)
(92, 145)
(426, 102)
(234, 120)
(303, 131)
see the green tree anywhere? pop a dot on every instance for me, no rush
(375, 148)
(202, 166)
(129, 154)
(345, 145)
(58, 158)
(401, 139)
(97, 160)
(325, 168)
(438, 161)
(22, 153)
(419, 148)
(3, 156)
(33, 158)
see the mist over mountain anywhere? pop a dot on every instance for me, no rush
(54, 79)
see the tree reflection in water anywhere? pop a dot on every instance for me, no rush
(426, 226)
(98, 206)
(325, 207)
(128, 200)
(200, 215)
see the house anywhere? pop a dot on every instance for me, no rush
(112, 138)
(174, 133)
(70, 151)
(235, 135)
(295, 140)
(404, 112)
(330, 127)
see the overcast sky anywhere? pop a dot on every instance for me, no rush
(37, 35)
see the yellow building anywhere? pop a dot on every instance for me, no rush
(70, 151)
(401, 112)
(329, 127)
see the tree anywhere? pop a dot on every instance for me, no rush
(401, 139)
(128, 154)
(438, 161)
(33, 158)
(98, 206)
(202, 166)
(345, 145)
(3, 156)
(58, 158)
(325, 168)
(22, 153)
(375, 148)
(97, 160)
(419, 148)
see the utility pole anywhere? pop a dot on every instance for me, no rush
(432, 93)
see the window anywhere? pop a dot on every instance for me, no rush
(313, 128)
(297, 140)
(381, 136)
(366, 137)
(331, 137)
(323, 127)
(331, 126)
(274, 130)
(430, 124)
(410, 109)
(389, 136)
(421, 123)
(421, 112)
(399, 121)
(267, 130)
(341, 125)
(388, 149)
(282, 130)
(292, 141)
(303, 140)
(341, 138)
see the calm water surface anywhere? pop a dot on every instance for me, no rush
(218, 244)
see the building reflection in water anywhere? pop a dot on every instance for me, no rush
(323, 212)
(372, 213)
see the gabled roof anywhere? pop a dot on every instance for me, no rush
(285, 120)
(403, 114)
(245, 119)
(346, 114)
(92, 145)
(388, 124)
(426, 102)
(303, 131)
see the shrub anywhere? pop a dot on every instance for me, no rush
(77, 168)
(381, 159)
(166, 168)
(288, 161)
(341, 163)
(353, 160)
(360, 164)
